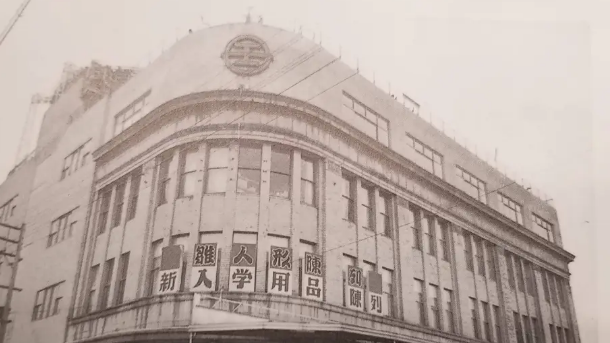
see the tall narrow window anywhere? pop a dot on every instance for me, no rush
(188, 172)
(429, 236)
(384, 211)
(527, 329)
(474, 314)
(468, 251)
(520, 278)
(479, 255)
(134, 193)
(536, 330)
(366, 200)
(435, 317)
(518, 328)
(308, 185)
(106, 282)
(121, 278)
(104, 209)
(553, 288)
(449, 320)
(348, 198)
(491, 261)
(529, 277)
(543, 228)
(560, 293)
(488, 335)
(117, 211)
(418, 287)
(91, 288)
(218, 164)
(163, 191)
(387, 277)
(498, 330)
(249, 170)
(545, 285)
(444, 242)
(279, 182)
(511, 209)
(560, 335)
(471, 185)
(567, 334)
(155, 264)
(417, 224)
(553, 333)
(511, 269)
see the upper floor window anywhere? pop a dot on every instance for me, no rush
(511, 269)
(543, 228)
(367, 120)
(130, 114)
(188, 175)
(47, 302)
(218, 165)
(425, 157)
(119, 200)
(61, 228)
(444, 240)
(366, 201)
(308, 183)
(478, 244)
(510, 209)
(249, 170)
(384, 211)
(429, 234)
(491, 260)
(104, 198)
(471, 185)
(121, 280)
(468, 252)
(7, 210)
(410, 104)
(348, 198)
(164, 178)
(279, 180)
(105, 285)
(75, 160)
(134, 193)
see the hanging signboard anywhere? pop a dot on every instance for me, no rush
(312, 278)
(279, 277)
(242, 269)
(170, 272)
(376, 301)
(205, 267)
(354, 289)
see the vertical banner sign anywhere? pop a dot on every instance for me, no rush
(312, 277)
(376, 302)
(354, 289)
(242, 270)
(170, 273)
(203, 272)
(279, 278)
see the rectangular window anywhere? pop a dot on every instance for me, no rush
(105, 285)
(498, 330)
(545, 285)
(387, 277)
(567, 334)
(553, 333)
(217, 170)
(155, 259)
(471, 185)
(511, 269)
(520, 277)
(348, 198)
(529, 278)
(418, 287)
(249, 170)
(527, 329)
(366, 201)
(427, 158)
(384, 211)
(543, 228)
(61, 229)
(91, 288)
(444, 242)
(417, 224)
(104, 209)
(491, 260)
(134, 193)
(560, 335)
(121, 278)
(188, 172)
(164, 179)
(131, 114)
(435, 308)
(468, 252)
(474, 313)
(536, 331)
(117, 211)
(561, 299)
(518, 329)
(279, 182)
(429, 234)
(449, 319)
(510, 209)
(47, 302)
(488, 335)
(366, 120)
(478, 243)
(308, 184)
(75, 160)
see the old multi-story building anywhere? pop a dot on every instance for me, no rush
(250, 186)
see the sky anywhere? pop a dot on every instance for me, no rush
(515, 76)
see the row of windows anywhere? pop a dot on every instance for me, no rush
(553, 287)
(387, 277)
(511, 209)
(76, 159)
(436, 306)
(62, 228)
(106, 283)
(559, 334)
(481, 251)
(119, 187)
(491, 330)
(130, 114)
(520, 274)
(472, 185)
(527, 329)
(426, 157)
(427, 229)
(543, 228)
(7, 210)
(360, 205)
(47, 302)
(367, 120)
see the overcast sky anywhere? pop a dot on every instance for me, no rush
(512, 76)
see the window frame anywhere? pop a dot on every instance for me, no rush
(183, 174)
(468, 251)
(311, 182)
(61, 224)
(386, 203)
(349, 182)
(105, 196)
(274, 174)
(164, 177)
(106, 284)
(49, 305)
(435, 158)
(257, 169)
(121, 279)
(134, 193)
(511, 209)
(469, 180)
(368, 195)
(119, 200)
(225, 168)
(435, 306)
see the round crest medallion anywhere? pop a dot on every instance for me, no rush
(247, 55)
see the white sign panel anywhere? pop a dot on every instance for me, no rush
(242, 272)
(279, 277)
(204, 270)
(312, 281)
(354, 290)
(170, 273)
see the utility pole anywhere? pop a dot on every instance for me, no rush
(11, 286)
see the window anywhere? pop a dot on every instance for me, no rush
(387, 276)
(366, 268)
(444, 242)
(75, 160)
(468, 252)
(105, 286)
(474, 313)
(155, 264)
(471, 185)
(121, 278)
(449, 319)
(561, 300)
(435, 318)
(520, 278)
(518, 329)
(249, 170)
(527, 329)
(429, 236)
(6, 210)
(545, 285)
(130, 114)
(279, 182)
(511, 269)
(418, 287)
(218, 164)
(308, 183)
(488, 335)
(366, 200)
(496, 312)
(384, 211)
(536, 330)
(163, 191)
(134, 193)
(188, 172)
(91, 287)
(529, 277)
(104, 197)
(553, 333)
(552, 288)
(348, 198)
(61, 229)
(366, 120)
(543, 228)
(47, 302)
(567, 335)
(346, 262)
(417, 224)
(491, 260)
(478, 243)
(119, 196)
(510, 209)
(560, 335)
(426, 157)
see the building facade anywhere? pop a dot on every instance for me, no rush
(249, 186)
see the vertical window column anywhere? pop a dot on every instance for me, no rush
(279, 182)
(164, 178)
(189, 159)
(449, 319)
(435, 313)
(468, 251)
(308, 182)
(217, 170)
(418, 287)
(385, 202)
(366, 197)
(349, 198)
(249, 170)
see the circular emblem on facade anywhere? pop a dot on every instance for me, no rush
(247, 56)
